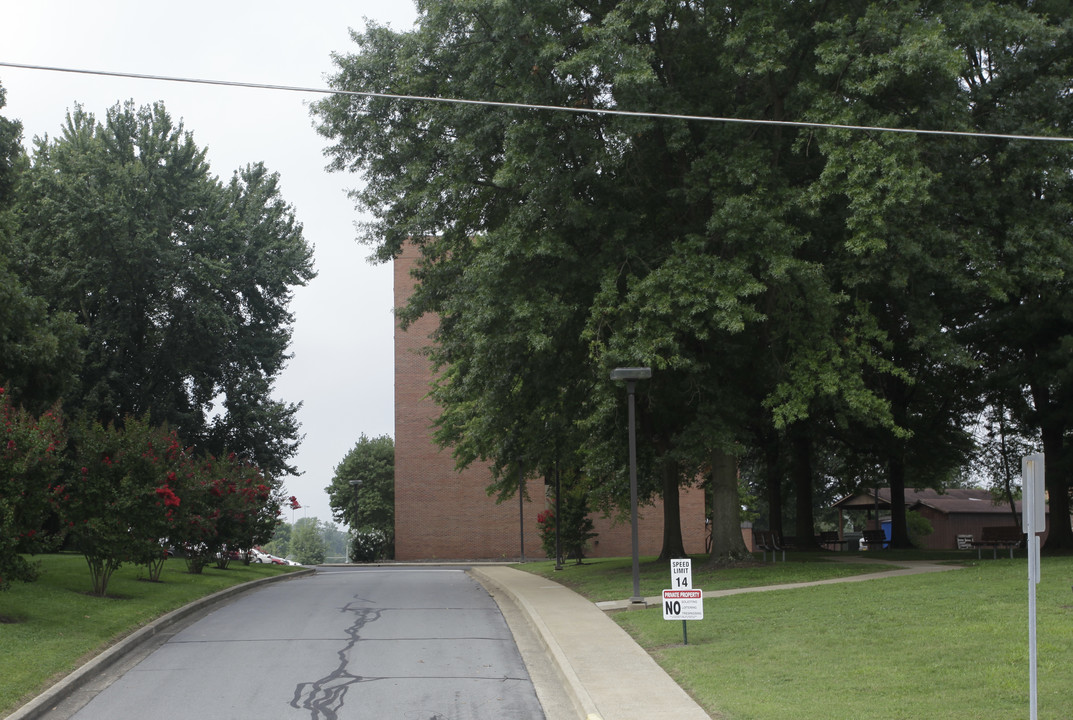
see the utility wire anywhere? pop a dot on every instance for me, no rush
(549, 108)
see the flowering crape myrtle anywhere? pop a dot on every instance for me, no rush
(29, 463)
(249, 508)
(227, 506)
(119, 503)
(121, 493)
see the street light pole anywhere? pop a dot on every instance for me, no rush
(631, 376)
(521, 509)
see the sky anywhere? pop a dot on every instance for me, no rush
(342, 369)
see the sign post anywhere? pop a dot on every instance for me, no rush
(1033, 521)
(682, 602)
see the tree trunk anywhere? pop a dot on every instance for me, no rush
(728, 547)
(1059, 531)
(1007, 470)
(899, 533)
(773, 484)
(805, 526)
(673, 546)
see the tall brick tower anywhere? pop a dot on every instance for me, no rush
(441, 513)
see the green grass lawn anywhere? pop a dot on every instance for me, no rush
(946, 645)
(57, 626)
(612, 578)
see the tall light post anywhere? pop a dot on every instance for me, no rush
(631, 375)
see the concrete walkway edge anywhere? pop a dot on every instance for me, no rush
(603, 667)
(580, 697)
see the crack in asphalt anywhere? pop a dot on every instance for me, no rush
(326, 696)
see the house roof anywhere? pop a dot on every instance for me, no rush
(951, 501)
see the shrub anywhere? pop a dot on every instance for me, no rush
(367, 545)
(577, 526)
(29, 464)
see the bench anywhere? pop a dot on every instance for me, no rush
(768, 540)
(829, 539)
(874, 537)
(1005, 536)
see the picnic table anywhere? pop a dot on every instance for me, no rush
(830, 539)
(1004, 536)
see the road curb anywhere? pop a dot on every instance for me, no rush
(47, 701)
(579, 696)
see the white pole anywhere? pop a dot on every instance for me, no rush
(1033, 521)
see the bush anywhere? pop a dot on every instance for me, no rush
(367, 546)
(577, 528)
(918, 527)
(29, 455)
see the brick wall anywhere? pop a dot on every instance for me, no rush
(441, 513)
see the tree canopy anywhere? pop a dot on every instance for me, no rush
(792, 287)
(362, 491)
(180, 284)
(39, 349)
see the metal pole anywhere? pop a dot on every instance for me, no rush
(631, 375)
(630, 385)
(558, 518)
(521, 510)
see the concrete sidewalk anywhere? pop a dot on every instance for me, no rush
(607, 675)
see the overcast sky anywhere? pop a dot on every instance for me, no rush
(342, 370)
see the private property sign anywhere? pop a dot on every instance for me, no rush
(683, 605)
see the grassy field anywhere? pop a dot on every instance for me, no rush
(50, 627)
(946, 645)
(612, 578)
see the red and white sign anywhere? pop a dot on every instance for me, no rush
(683, 605)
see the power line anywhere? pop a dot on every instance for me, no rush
(547, 108)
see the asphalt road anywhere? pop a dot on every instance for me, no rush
(385, 643)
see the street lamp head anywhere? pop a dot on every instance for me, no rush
(631, 373)
(355, 483)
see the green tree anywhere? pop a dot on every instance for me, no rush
(1010, 204)
(181, 283)
(307, 544)
(11, 155)
(280, 543)
(804, 287)
(362, 492)
(335, 540)
(575, 529)
(39, 350)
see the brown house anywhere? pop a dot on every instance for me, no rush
(441, 513)
(953, 513)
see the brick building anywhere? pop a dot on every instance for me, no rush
(441, 513)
